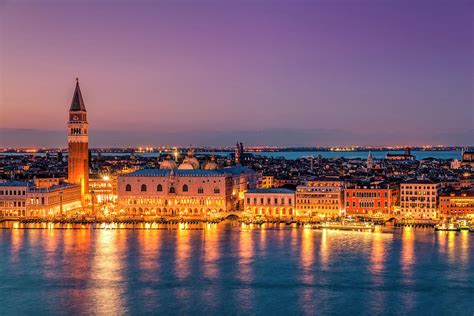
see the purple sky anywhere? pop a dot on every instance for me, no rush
(400, 69)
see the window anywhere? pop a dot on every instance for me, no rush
(159, 188)
(217, 191)
(200, 190)
(185, 188)
(143, 188)
(172, 190)
(248, 200)
(128, 188)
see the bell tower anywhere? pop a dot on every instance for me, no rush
(78, 143)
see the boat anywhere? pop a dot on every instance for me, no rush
(451, 227)
(345, 225)
(463, 224)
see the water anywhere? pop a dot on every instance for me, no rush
(229, 269)
(419, 154)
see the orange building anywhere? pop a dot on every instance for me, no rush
(322, 197)
(457, 204)
(372, 199)
(78, 143)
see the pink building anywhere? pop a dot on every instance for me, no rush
(178, 192)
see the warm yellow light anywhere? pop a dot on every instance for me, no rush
(106, 178)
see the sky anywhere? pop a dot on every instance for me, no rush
(279, 72)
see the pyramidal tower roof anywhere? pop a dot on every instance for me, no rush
(77, 103)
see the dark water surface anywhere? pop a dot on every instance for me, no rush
(229, 269)
(378, 154)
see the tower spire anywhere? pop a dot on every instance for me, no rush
(77, 103)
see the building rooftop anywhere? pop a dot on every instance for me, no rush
(272, 190)
(188, 173)
(371, 185)
(416, 181)
(325, 179)
(54, 187)
(77, 103)
(459, 193)
(15, 183)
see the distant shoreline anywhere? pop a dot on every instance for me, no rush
(250, 149)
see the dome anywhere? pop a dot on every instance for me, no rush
(168, 164)
(212, 165)
(193, 161)
(186, 166)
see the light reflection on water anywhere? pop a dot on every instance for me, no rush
(234, 269)
(245, 273)
(308, 275)
(107, 274)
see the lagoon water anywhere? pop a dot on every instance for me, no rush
(233, 269)
(419, 154)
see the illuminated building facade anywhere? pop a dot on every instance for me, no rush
(59, 199)
(419, 199)
(468, 158)
(457, 204)
(371, 199)
(78, 143)
(324, 198)
(13, 197)
(266, 182)
(271, 203)
(103, 188)
(25, 199)
(181, 192)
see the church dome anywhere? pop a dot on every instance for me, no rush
(189, 162)
(168, 164)
(194, 162)
(211, 165)
(186, 166)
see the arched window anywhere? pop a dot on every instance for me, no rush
(143, 188)
(200, 190)
(172, 190)
(159, 188)
(185, 188)
(217, 191)
(128, 188)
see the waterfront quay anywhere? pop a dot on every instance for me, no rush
(343, 224)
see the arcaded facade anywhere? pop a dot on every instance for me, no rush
(270, 203)
(178, 192)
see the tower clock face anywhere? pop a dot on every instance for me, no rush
(75, 118)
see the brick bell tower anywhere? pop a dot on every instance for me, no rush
(78, 143)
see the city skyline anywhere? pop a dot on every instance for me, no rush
(304, 73)
(236, 157)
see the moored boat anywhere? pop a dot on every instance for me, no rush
(463, 224)
(345, 225)
(446, 227)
